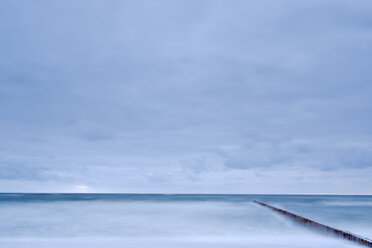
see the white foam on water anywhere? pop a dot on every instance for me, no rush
(263, 241)
(152, 224)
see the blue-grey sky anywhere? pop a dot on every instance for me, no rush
(186, 96)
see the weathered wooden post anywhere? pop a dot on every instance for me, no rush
(320, 227)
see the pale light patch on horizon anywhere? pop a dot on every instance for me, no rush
(82, 188)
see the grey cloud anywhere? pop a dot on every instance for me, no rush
(188, 93)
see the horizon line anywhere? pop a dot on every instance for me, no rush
(152, 193)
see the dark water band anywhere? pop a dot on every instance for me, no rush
(320, 227)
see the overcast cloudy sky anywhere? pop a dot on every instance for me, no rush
(261, 96)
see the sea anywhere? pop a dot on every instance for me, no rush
(177, 220)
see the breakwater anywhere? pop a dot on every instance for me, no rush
(320, 227)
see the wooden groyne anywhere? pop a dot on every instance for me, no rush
(320, 227)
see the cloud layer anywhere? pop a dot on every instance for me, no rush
(186, 96)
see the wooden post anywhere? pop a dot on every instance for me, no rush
(319, 226)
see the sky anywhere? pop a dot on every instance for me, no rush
(196, 96)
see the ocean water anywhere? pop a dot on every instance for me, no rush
(148, 220)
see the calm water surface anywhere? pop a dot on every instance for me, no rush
(148, 220)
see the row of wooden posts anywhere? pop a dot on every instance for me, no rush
(320, 227)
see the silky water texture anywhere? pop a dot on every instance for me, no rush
(151, 220)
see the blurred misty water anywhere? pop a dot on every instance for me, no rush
(147, 220)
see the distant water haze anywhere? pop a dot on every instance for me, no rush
(122, 220)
